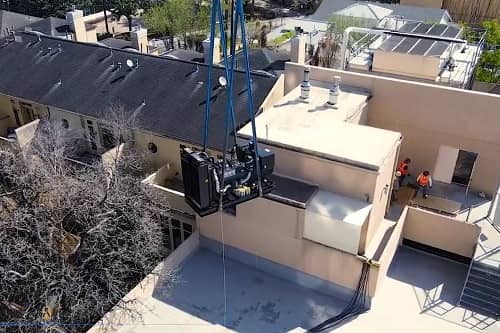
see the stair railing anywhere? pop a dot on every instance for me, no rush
(468, 271)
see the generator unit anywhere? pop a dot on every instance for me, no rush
(233, 179)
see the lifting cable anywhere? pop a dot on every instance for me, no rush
(217, 15)
(356, 306)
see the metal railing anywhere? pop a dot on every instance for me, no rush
(475, 37)
(468, 272)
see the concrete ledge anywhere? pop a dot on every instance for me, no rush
(286, 273)
(151, 284)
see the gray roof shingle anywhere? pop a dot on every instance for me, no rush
(264, 59)
(50, 26)
(9, 20)
(173, 90)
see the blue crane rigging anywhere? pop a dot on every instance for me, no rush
(243, 171)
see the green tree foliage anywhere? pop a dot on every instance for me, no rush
(493, 35)
(489, 64)
(178, 18)
(41, 8)
(127, 8)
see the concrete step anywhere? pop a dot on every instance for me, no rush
(486, 297)
(485, 270)
(483, 286)
(474, 303)
(477, 309)
(488, 280)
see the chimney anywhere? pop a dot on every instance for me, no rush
(206, 50)
(298, 50)
(334, 92)
(139, 38)
(75, 21)
(305, 87)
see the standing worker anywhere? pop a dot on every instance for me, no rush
(403, 169)
(424, 182)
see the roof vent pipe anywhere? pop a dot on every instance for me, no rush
(305, 87)
(334, 91)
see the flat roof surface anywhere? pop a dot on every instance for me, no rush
(291, 191)
(418, 295)
(256, 301)
(316, 129)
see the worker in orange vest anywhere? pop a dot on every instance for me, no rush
(424, 182)
(403, 169)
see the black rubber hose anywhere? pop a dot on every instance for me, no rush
(356, 305)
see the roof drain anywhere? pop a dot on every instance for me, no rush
(305, 87)
(334, 92)
(357, 305)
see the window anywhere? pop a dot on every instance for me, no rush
(464, 167)
(64, 123)
(16, 111)
(178, 232)
(92, 135)
(108, 138)
(152, 148)
(27, 112)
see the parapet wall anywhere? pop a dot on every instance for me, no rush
(428, 116)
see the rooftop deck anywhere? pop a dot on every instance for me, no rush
(256, 301)
(419, 294)
(448, 199)
(317, 129)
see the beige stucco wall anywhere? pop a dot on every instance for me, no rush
(391, 247)
(168, 150)
(275, 94)
(274, 231)
(74, 120)
(329, 175)
(382, 193)
(39, 111)
(423, 3)
(344, 179)
(428, 116)
(6, 116)
(441, 232)
(427, 68)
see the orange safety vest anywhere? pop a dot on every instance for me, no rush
(423, 180)
(403, 168)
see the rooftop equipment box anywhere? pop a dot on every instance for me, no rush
(336, 221)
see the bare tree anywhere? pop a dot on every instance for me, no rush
(73, 239)
(328, 52)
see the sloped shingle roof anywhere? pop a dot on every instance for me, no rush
(51, 26)
(264, 60)
(80, 78)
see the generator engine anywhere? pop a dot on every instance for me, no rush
(205, 182)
